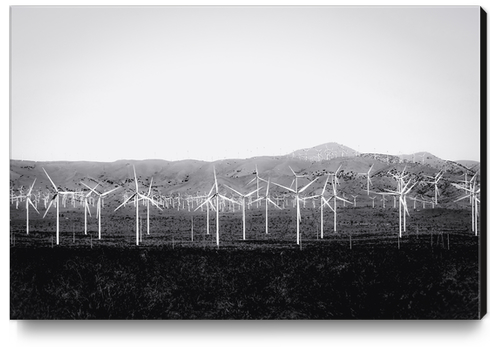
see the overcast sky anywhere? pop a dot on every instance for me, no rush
(102, 84)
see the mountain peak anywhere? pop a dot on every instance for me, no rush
(326, 151)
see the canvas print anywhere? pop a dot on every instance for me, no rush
(247, 162)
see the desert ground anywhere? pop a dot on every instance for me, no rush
(362, 271)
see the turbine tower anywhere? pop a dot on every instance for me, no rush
(323, 202)
(28, 202)
(136, 197)
(434, 182)
(85, 204)
(402, 192)
(354, 197)
(56, 197)
(99, 207)
(473, 192)
(216, 195)
(335, 198)
(243, 197)
(256, 179)
(296, 193)
(267, 201)
(368, 174)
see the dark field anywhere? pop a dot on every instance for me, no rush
(362, 272)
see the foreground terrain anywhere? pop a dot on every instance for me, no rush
(321, 281)
(364, 271)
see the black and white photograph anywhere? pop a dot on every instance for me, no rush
(247, 163)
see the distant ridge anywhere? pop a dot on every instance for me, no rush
(195, 176)
(470, 164)
(326, 151)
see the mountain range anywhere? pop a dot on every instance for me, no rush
(196, 177)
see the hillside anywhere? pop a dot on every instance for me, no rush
(196, 177)
(322, 152)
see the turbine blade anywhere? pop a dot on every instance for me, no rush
(215, 179)
(203, 203)
(234, 190)
(32, 186)
(253, 180)
(92, 190)
(256, 190)
(211, 190)
(125, 201)
(326, 203)
(404, 204)
(279, 185)
(254, 201)
(309, 184)
(30, 202)
(50, 203)
(339, 198)
(409, 189)
(228, 199)
(149, 189)
(272, 202)
(135, 179)
(463, 197)
(154, 203)
(261, 179)
(55, 188)
(110, 191)
(212, 205)
(325, 186)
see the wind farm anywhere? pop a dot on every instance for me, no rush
(329, 212)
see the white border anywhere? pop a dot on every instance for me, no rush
(289, 333)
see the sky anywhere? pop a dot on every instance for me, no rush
(208, 83)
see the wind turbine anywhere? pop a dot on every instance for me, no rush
(12, 195)
(354, 196)
(57, 197)
(85, 204)
(256, 179)
(335, 180)
(210, 197)
(29, 201)
(243, 197)
(207, 207)
(137, 196)
(335, 197)
(267, 200)
(296, 192)
(466, 183)
(383, 199)
(323, 202)
(148, 198)
(99, 207)
(436, 180)
(402, 192)
(368, 177)
(343, 195)
(472, 194)
(373, 198)
(414, 199)
(45, 198)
